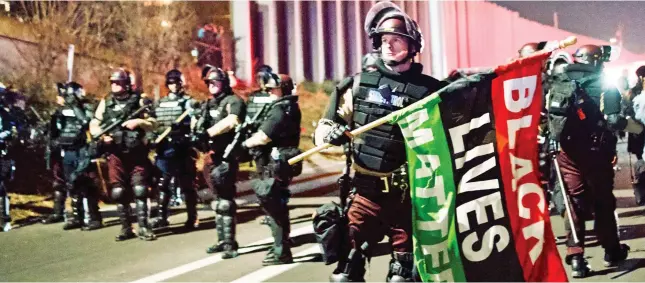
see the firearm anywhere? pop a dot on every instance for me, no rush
(200, 138)
(118, 123)
(169, 129)
(243, 131)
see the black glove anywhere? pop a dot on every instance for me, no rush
(338, 135)
(255, 151)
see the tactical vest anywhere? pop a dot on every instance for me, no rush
(217, 111)
(117, 109)
(168, 110)
(290, 134)
(375, 95)
(72, 129)
(256, 101)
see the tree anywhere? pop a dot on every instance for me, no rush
(155, 38)
(54, 25)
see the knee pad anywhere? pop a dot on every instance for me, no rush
(140, 191)
(225, 207)
(117, 193)
(224, 174)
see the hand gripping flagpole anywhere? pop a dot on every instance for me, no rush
(557, 45)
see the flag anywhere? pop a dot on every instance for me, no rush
(479, 212)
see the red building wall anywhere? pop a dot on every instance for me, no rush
(481, 34)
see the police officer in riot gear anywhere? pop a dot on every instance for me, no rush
(635, 104)
(262, 96)
(588, 146)
(127, 154)
(174, 154)
(275, 142)
(8, 125)
(380, 181)
(69, 138)
(217, 121)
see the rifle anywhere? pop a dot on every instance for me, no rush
(118, 123)
(243, 129)
(167, 131)
(199, 138)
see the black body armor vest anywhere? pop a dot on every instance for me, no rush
(375, 95)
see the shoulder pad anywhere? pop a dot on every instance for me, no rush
(345, 83)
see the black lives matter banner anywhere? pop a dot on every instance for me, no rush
(479, 211)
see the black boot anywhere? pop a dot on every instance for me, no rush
(219, 228)
(354, 269)
(162, 207)
(400, 267)
(230, 246)
(126, 233)
(92, 214)
(281, 251)
(59, 209)
(192, 221)
(145, 233)
(5, 218)
(75, 220)
(579, 266)
(613, 258)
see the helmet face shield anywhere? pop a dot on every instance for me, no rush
(387, 17)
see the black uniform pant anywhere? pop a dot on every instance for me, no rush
(179, 164)
(220, 176)
(589, 181)
(380, 207)
(74, 175)
(128, 177)
(6, 173)
(273, 194)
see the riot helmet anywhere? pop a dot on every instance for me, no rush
(557, 61)
(207, 68)
(286, 84)
(122, 78)
(174, 76)
(640, 72)
(263, 75)
(590, 55)
(217, 75)
(71, 90)
(388, 18)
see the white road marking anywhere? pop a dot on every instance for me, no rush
(183, 269)
(271, 271)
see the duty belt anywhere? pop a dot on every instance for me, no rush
(372, 185)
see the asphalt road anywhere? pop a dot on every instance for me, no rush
(47, 253)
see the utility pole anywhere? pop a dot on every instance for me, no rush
(556, 23)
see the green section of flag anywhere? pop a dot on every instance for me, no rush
(433, 192)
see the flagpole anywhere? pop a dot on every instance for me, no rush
(560, 44)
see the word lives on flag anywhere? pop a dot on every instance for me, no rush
(479, 213)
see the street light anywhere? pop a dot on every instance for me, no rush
(165, 23)
(613, 40)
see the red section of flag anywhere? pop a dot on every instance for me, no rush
(517, 98)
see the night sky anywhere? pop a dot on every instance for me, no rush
(596, 19)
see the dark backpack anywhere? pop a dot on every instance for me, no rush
(565, 96)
